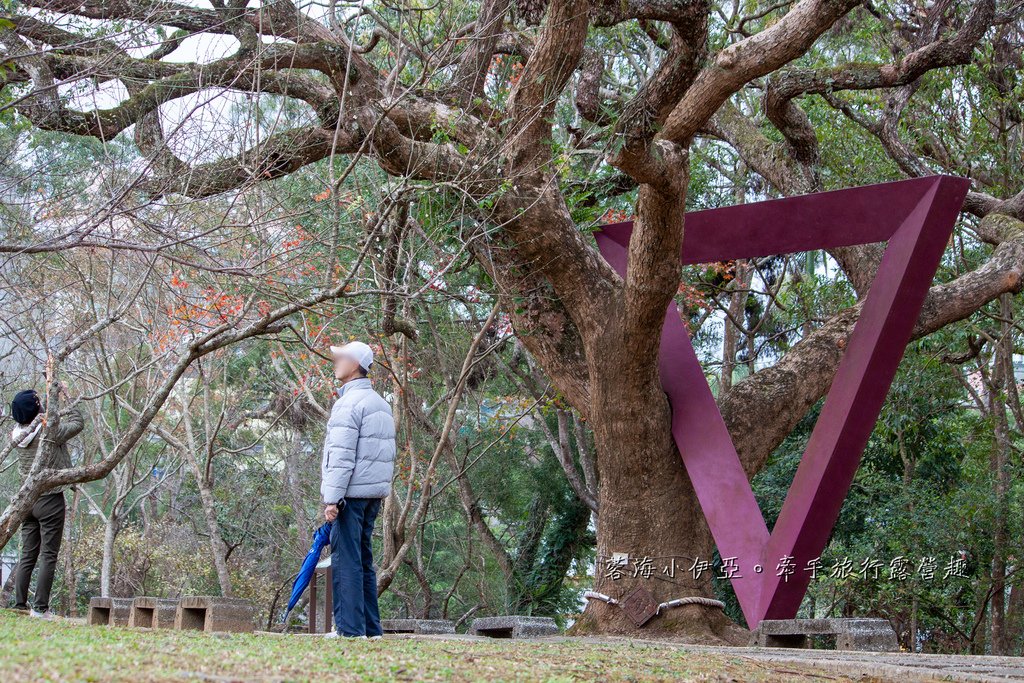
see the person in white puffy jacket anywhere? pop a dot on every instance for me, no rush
(357, 467)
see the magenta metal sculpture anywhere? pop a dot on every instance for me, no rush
(771, 571)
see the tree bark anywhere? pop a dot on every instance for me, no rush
(70, 578)
(730, 336)
(218, 548)
(110, 528)
(1002, 376)
(292, 477)
(649, 510)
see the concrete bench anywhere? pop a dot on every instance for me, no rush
(212, 613)
(150, 612)
(513, 626)
(417, 626)
(109, 611)
(871, 635)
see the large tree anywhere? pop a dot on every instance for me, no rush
(469, 100)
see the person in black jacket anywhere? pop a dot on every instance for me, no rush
(43, 529)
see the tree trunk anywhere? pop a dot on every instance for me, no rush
(70, 579)
(737, 301)
(980, 610)
(649, 511)
(731, 332)
(730, 335)
(1002, 376)
(292, 477)
(912, 630)
(1014, 614)
(218, 548)
(111, 527)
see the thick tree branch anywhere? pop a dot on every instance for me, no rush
(784, 86)
(764, 52)
(281, 154)
(763, 409)
(468, 82)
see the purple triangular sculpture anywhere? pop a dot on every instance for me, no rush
(916, 218)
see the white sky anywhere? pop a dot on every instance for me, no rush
(198, 126)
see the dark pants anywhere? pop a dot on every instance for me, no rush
(355, 579)
(41, 534)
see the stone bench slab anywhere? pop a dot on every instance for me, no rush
(872, 635)
(109, 611)
(215, 614)
(148, 612)
(417, 626)
(513, 626)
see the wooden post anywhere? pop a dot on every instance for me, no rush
(328, 600)
(324, 572)
(312, 602)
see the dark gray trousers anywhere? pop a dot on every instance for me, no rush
(41, 534)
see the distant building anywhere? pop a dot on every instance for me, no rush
(8, 560)
(977, 383)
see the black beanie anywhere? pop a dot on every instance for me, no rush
(25, 406)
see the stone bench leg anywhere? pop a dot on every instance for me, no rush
(873, 641)
(863, 634)
(150, 612)
(109, 611)
(514, 626)
(497, 632)
(215, 614)
(790, 640)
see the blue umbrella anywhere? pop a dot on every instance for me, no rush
(321, 537)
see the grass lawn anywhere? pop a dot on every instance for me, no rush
(37, 650)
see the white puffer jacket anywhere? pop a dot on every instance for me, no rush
(359, 449)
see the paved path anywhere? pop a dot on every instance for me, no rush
(895, 666)
(900, 665)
